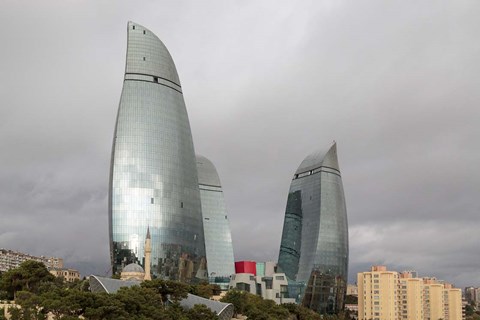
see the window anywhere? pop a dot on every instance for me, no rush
(155, 79)
(259, 289)
(152, 200)
(243, 286)
(143, 58)
(133, 27)
(143, 31)
(268, 282)
(181, 204)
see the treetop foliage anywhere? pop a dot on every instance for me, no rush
(255, 307)
(38, 293)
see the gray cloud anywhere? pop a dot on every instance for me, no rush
(394, 83)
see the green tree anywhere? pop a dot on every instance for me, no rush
(27, 277)
(206, 290)
(52, 300)
(141, 302)
(300, 312)
(201, 312)
(175, 311)
(255, 307)
(260, 308)
(172, 290)
(237, 298)
(11, 282)
(203, 289)
(469, 310)
(105, 306)
(350, 299)
(15, 313)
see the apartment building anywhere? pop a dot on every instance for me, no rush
(10, 259)
(389, 295)
(377, 294)
(410, 296)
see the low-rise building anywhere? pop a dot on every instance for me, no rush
(260, 278)
(352, 290)
(69, 275)
(274, 287)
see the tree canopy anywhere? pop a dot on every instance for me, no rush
(255, 307)
(38, 294)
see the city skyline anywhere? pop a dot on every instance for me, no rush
(394, 83)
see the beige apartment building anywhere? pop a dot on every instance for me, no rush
(434, 308)
(69, 275)
(377, 294)
(410, 295)
(389, 295)
(453, 298)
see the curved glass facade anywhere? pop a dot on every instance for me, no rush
(314, 248)
(153, 178)
(218, 238)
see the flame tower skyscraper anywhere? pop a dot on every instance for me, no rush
(153, 175)
(314, 247)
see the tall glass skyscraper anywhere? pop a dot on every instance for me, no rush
(153, 178)
(314, 248)
(218, 238)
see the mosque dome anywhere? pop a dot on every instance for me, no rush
(133, 267)
(133, 271)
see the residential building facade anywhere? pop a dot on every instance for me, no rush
(10, 259)
(472, 295)
(389, 295)
(377, 294)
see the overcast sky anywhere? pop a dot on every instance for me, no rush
(395, 83)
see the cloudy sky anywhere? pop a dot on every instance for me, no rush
(395, 83)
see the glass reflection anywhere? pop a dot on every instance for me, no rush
(153, 178)
(314, 247)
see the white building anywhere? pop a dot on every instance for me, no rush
(274, 287)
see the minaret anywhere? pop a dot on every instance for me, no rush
(148, 253)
